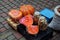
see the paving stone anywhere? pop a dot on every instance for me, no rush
(6, 6)
(6, 17)
(0, 14)
(1, 11)
(1, 7)
(18, 1)
(3, 15)
(15, 7)
(5, 34)
(1, 39)
(1, 1)
(1, 19)
(7, 26)
(1, 25)
(5, 10)
(11, 37)
(15, 39)
(0, 4)
(2, 29)
(22, 38)
(17, 35)
(9, 8)
(11, 0)
(5, 39)
(11, 4)
(4, 22)
(5, 1)
(14, 2)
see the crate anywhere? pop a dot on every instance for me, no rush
(48, 13)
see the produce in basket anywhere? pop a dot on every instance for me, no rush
(28, 21)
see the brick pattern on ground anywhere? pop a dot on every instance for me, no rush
(6, 32)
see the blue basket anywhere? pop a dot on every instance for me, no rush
(48, 14)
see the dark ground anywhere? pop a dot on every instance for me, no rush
(6, 32)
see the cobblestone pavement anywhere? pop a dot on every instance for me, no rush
(6, 32)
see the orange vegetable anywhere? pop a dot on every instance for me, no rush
(27, 9)
(27, 20)
(31, 9)
(33, 29)
(15, 14)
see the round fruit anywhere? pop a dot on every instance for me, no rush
(27, 9)
(27, 20)
(31, 9)
(33, 29)
(15, 14)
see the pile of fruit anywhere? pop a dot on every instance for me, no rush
(27, 16)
